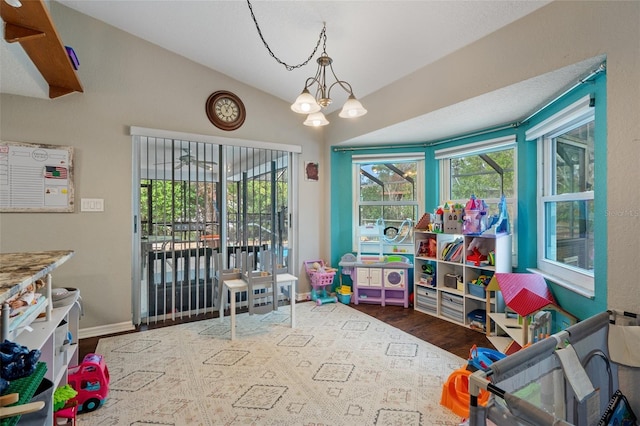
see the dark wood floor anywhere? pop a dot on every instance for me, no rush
(448, 336)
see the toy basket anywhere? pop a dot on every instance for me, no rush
(318, 279)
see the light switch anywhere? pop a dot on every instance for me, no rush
(92, 205)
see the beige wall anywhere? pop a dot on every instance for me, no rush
(130, 82)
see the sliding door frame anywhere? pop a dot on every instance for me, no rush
(137, 133)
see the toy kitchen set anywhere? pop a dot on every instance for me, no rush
(380, 279)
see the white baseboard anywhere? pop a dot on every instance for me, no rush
(102, 330)
(303, 297)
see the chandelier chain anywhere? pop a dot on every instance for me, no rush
(323, 35)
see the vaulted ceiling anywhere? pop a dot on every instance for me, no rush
(372, 43)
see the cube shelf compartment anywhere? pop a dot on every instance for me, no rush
(449, 293)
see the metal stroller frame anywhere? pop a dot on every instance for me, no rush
(537, 369)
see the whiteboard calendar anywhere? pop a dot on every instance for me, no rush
(36, 177)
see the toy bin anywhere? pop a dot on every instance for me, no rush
(476, 290)
(344, 294)
(344, 298)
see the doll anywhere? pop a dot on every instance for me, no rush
(27, 296)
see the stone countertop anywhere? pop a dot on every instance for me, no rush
(18, 270)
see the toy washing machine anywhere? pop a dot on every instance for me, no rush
(395, 278)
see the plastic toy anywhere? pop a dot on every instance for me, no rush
(476, 257)
(500, 224)
(437, 225)
(326, 299)
(455, 393)
(320, 276)
(62, 395)
(482, 358)
(91, 380)
(68, 414)
(344, 294)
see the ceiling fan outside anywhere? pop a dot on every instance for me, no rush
(187, 159)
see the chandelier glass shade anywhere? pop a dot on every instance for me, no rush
(316, 119)
(306, 103)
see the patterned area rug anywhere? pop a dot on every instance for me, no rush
(337, 367)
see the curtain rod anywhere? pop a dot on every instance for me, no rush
(601, 68)
(432, 143)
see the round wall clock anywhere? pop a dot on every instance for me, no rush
(225, 110)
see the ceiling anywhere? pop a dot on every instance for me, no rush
(372, 43)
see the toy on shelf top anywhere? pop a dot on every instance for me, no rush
(471, 219)
(475, 216)
(446, 219)
(501, 223)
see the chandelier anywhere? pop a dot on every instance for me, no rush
(312, 104)
(306, 103)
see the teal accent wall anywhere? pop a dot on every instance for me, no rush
(527, 200)
(582, 307)
(341, 205)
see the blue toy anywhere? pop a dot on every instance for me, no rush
(482, 358)
(326, 299)
(500, 224)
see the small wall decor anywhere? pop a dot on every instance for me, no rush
(311, 171)
(36, 178)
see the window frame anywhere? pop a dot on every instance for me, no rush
(445, 155)
(356, 162)
(575, 115)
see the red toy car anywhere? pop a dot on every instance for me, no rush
(91, 380)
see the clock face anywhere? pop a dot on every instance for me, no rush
(225, 110)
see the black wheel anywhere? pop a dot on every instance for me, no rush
(90, 405)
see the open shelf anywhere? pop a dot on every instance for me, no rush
(444, 288)
(510, 326)
(32, 27)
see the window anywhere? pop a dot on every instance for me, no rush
(485, 169)
(389, 192)
(566, 196)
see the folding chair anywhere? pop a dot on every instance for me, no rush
(263, 292)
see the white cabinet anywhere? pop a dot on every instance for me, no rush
(369, 277)
(51, 338)
(444, 267)
(42, 326)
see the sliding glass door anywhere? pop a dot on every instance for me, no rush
(193, 201)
